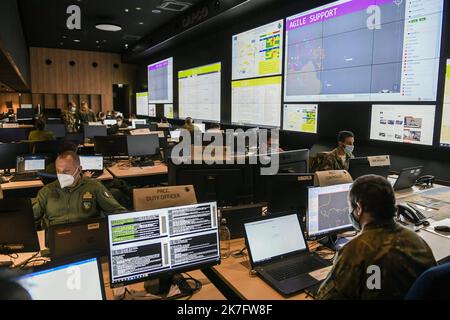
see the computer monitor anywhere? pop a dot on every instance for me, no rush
(77, 138)
(136, 122)
(153, 126)
(91, 163)
(149, 244)
(236, 216)
(58, 129)
(9, 153)
(288, 192)
(111, 146)
(17, 228)
(295, 161)
(328, 211)
(50, 148)
(109, 122)
(25, 114)
(142, 145)
(94, 131)
(30, 163)
(14, 134)
(175, 135)
(73, 279)
(361, 166)
(226, 184)
(51, 114)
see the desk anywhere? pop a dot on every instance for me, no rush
(118, 171)
(208, 291)
(237, 278)
(105, 176)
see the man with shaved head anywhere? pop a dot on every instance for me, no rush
(72, 197)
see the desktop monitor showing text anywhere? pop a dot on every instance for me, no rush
(328, 210)
(147, 244)
(364, 50)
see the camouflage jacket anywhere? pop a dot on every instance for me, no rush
(332, 161)
(71, 121)
(401, 255)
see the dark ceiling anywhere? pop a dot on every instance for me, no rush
(44, 22)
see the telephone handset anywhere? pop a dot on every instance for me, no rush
(427, 180)
(412, 215)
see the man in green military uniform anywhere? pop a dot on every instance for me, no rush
(71, 118)
(72, 197)
(86, 114)
(385, 259)
(338, 159)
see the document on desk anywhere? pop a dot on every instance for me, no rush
(445, 222)
(426, 202)
(440, 193)
(321, 274)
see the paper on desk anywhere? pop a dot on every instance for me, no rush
(440, 193)
(426, 202)
(445, 222)
(321, 274)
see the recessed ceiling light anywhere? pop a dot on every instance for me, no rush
(108, 27)
(76, 40)
(64, 37)
(141, 23)
(138, 8)
(61, 43)
(126, 45)
(126, 10)
(156, 11)
(104, 41)
(97, 41)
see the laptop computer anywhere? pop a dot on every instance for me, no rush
(280, 255)
(406, 179)
(89, 236)
(93, 164)
(72, 279)
(28, 167)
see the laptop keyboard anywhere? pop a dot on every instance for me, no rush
(24, 177)
(295, 268)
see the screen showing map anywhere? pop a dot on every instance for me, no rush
(258, 52)
(300, 117)
(364, 50)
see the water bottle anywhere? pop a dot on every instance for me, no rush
(224, 239)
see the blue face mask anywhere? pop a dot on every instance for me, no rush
(349, 149)
(354, 222)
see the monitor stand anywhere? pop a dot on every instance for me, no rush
(142, 162)
(334, 242)
(162, 285)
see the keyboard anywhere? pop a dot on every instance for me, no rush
(95, 174)
(24, 177)
(295, 268)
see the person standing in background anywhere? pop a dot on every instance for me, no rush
(71, 118)
(86, 114)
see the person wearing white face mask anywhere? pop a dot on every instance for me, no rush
(338, 159)
(71, 118)
(72, 197)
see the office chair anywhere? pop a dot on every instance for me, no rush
(433, 284)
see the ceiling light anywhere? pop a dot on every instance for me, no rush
(126, 45)
(108, 27)
(64, 37)
(126, 10)
(138, 8)
(98, 41)
(141, 23)
(76, 40)
(156, 11)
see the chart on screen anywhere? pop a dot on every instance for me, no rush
(300, 117)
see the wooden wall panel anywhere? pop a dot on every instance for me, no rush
(83, 78)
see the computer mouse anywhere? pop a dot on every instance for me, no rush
(442, 229)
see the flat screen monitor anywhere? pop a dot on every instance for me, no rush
(364, 50)
(52, 113)
(160, 81)
(109, 122)
(408, 124)
(365, 165)
(199, 92)
(9, 153)
(258, 52)
(136, 122)
(143, 145)
(73, 280)
(94, 131)
(14, 134)
(328, 210)
(31, 163)
(25, 114)
(17, 228)
(256, 102)
(142, 104)
(300, 117)
(148, 244)
(111, 146)
(445, 126)
(58, 129)
(91, 163)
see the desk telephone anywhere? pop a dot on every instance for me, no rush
(426, 180)
(412, 215)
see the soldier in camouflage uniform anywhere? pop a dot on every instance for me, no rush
(72, 197)
(71, 118)
(338, 159)
(401, 255)
(86, 114)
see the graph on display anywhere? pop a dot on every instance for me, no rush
(256, 102)
(199, 92)
(258, 52)
(413, 124)
(445, 127)
(300, 117)
(142, 108)
(333, 210)
(160, 81)
(364, 50)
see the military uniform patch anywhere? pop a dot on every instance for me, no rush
(87, 201)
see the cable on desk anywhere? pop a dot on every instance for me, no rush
(24, 263)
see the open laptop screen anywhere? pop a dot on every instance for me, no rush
(91, 163)
(75, 281)
(274, 237)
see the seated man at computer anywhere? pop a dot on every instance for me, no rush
(40, 134)
(114, 129)
(338, 158)
(189, 125)
(72, 197)
(383, 249)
